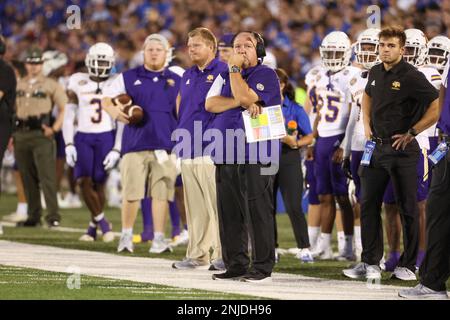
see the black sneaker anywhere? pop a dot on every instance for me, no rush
(29, 223)
(227, 276)
(256, 277)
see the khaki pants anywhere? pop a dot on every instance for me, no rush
(36, 159)
(142, 170)
(201, 208)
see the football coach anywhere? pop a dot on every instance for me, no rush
(244, 193)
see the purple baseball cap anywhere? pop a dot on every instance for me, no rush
(226, 40)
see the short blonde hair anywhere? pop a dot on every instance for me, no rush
(206, 35)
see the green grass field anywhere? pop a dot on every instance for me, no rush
(26, 283)
(78, 218)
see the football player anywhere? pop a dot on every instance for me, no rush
(437, 57)
(333, 105)
(366, 52)
(310, 178)
(94, 146)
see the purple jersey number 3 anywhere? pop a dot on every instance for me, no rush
(98, 110)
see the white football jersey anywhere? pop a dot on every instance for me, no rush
(333, 99)
(90, 116)
(310, 80)
(434, 77)
(357, 86)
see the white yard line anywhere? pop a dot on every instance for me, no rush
(159, 271)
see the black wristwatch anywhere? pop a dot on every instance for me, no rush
(412, 132)
(234, 69)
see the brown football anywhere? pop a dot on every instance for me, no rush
(135, 113)
(123, 100)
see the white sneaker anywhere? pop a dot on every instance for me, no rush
(359, 271)
(125, 243)
(422, 292)
(1, 229)
(159, 246)
(323, 254)
(373, 272)
(15, 217)
(305, 256)
(188, 263)
(86, 237)
(404, 274)
(108, 236)
(181, 239)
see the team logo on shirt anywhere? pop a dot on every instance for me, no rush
(353, 81)
(171, 82)
(260, 86)
(188, 81)
(395, 85)
(137, 82)
(346, 72)
(82, 82)
(210, 78)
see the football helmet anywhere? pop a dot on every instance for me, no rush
(100, 60)
(438, 51)
(53, 60)
(366, 48)
(335, 51)
(415, 47)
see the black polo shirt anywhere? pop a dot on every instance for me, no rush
(400, 97)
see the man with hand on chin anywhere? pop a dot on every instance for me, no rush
(244, 193)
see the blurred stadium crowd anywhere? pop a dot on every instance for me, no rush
(293, 29)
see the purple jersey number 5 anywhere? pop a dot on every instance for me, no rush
(333, 108)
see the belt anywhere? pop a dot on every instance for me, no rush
(379, 140)
(32, 123)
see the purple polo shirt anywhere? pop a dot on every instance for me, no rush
(264, 81)
(194, 86)
(156, 93)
